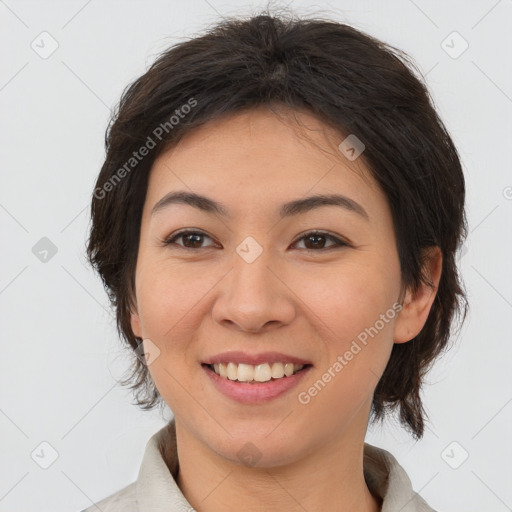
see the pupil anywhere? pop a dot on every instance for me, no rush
(315, 244)
(187, 237)
(196, 240)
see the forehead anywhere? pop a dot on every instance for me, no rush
(256, 157)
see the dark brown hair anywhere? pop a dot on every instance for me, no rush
(347, 79)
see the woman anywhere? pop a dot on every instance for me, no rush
(276, 223)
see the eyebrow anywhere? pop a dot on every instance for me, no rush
(288, 209)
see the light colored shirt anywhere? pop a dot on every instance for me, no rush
(156, 490)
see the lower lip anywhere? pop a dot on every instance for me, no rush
(257, 393)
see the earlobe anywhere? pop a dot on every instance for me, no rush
(135, 324)
(417, 305)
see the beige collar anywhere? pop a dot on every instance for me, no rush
(157, 490)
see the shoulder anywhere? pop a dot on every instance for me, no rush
(387, 479)
(124, 500)
(155, 483)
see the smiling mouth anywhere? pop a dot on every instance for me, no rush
(255, 374)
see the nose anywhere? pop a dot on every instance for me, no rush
(254, 297)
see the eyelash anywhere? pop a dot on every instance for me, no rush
(338, 241)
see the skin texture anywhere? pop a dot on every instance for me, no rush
(195, 303)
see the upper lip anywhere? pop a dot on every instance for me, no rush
(239, 357)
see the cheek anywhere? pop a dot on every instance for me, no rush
(168, 297)
(349, 299)
(169, 305)
(354, 316)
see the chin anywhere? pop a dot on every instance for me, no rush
(258, 448)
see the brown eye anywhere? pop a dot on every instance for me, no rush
(191, 239)
(316, 240)
(313, 241)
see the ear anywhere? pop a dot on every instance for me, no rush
(135, 322)
(416, 306)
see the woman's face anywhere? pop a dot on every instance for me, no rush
(249, 287)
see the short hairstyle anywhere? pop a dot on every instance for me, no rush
(348, 80)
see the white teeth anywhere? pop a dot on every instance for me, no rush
(262, 373)
(232, 371)
(288, 369)
(258, 373)
(245, 372)
(277, 370)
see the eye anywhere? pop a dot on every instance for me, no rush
(191, 239)
(316, 240)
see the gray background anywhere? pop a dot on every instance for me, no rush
(60, 354)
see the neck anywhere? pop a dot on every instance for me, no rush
(329, 478)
